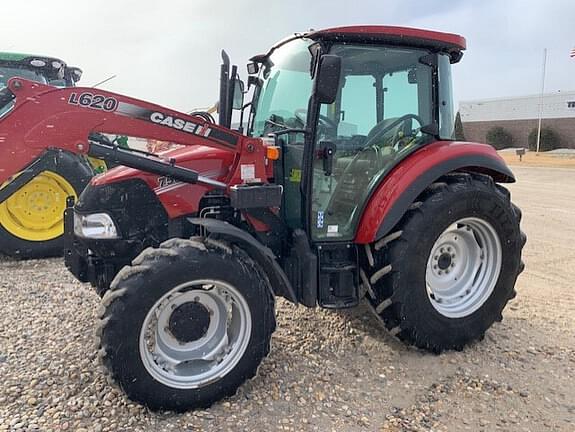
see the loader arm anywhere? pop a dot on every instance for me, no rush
(45, 118)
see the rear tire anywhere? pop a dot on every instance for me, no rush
(19, 236)
(152, 333)
(421, 303)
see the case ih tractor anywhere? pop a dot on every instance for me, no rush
(31, 220)
(346, 185)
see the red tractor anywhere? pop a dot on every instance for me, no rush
(346, 185)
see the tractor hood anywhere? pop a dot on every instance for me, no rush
(177, 198)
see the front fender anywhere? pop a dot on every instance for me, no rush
(399, 189)
(280, 283)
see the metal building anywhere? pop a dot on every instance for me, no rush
(518, 115)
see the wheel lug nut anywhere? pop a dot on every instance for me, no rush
(434, 266)
(452, 264)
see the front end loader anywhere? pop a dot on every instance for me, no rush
(342, 184)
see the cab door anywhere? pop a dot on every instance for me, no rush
(385, 98)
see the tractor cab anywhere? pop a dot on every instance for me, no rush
(346, 106)
(45, 70)
(343, 128)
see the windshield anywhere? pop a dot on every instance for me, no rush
(286, 89)
(7, 72)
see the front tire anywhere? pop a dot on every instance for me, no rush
(444, 276)
(186, 324)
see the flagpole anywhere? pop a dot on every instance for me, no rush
(541, 98)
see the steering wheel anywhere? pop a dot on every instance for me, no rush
(369, 145)
(381, 133)
(301, 115)
(373, 155)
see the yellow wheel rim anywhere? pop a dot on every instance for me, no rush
(36, 211)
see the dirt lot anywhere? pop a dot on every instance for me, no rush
(539, 160)
(327, 371)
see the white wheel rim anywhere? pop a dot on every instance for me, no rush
(463, 267)
(188, 364)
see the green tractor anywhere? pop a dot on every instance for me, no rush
(31, 220)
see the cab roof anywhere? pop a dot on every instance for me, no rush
(448, 42)
(20, 57)
(407, 35)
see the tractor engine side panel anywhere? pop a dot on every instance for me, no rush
(177, 198)
(413, 175)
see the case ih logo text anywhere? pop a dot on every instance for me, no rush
(180, 124)
(94, 101)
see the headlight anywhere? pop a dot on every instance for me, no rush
(95, 226)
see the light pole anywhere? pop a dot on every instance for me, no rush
(541, 98)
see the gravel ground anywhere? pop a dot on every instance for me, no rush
(327, 371)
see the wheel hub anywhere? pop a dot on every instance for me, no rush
(189, 322)
(195, 334)
(35, 211)
(444, 261)
(463, 267)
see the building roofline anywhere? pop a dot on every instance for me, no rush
(530, 96)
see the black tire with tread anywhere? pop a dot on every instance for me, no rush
(153, 273)
(401, 301)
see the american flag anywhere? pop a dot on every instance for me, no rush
(572, 54)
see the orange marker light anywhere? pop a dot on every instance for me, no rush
(273, 152)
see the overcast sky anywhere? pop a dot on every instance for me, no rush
(169, 52)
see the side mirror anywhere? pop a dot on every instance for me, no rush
(327, 81)
(238, 94)
(253, 68)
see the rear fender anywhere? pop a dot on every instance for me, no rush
(399, 189)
